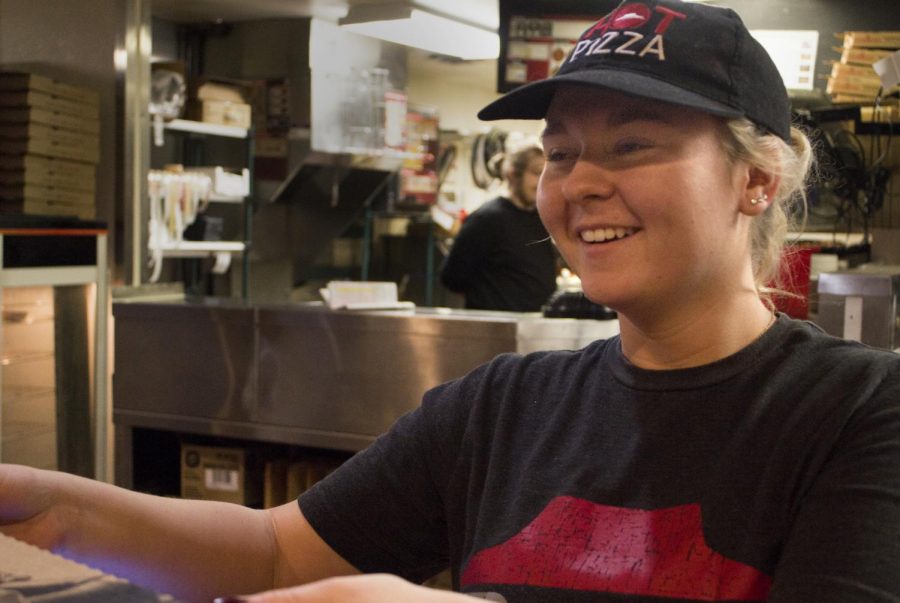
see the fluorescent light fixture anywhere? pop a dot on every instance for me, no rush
(409, 25)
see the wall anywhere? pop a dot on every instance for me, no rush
(74, 42)
(460, 89)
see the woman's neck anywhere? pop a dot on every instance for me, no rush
(694, 337)
(518, 202)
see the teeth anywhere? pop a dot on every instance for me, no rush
(599, 235)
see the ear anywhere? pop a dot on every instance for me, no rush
(759, 192)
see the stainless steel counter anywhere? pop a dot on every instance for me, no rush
(301, 374)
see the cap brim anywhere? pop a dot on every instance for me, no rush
(531, 101)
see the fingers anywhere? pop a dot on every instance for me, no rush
(358, 589)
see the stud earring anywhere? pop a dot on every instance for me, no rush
(762, 198)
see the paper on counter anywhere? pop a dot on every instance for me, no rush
(363, 295)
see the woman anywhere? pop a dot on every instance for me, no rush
(714, 451)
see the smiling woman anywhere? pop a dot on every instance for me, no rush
(713, 451)
(622, 165)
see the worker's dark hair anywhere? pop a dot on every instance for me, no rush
(515, 163)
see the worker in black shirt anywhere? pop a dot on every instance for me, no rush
(502, 258)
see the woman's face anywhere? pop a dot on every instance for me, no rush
(524, 186)
(641, 200)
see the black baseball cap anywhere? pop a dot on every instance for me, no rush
(683, 53)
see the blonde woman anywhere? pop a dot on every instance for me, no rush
(714, 451)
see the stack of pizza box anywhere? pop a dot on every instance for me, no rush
(49, 146)
(852, 79)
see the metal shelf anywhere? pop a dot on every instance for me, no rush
(200, 249)
(200, 127)
(195, 249)
(226, 199)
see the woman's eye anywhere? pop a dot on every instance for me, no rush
(555, 155)
(631, 146)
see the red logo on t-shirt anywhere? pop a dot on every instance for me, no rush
(579, 545)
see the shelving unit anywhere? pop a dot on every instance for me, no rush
(199, 127)
(197, 249)
(201, 249)
(40, 416)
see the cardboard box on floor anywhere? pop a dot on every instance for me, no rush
(226, 474)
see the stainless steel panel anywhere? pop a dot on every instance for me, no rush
(184, 359)
(860, 283)
(303, 374)
(358, 373)
(877, 287)
(879, 319)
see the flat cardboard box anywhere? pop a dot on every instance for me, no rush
(48, 117)
(845, 70)
(275, 483)
(871, 39)
(862, 56)
(852, 99)
(224, 113)
(36, 98)
(856, 86)
(43, 207)
(19, 80)
(46, 171)
(219, 92)
(43, 140)
(220, 89)
(58, 195)
(296, 479)
(219, 473)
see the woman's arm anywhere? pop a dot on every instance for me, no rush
(194, 550)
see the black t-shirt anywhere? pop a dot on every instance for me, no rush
(502, 259)
(773, 474)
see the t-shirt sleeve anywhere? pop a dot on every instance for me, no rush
(845, 541)
(384, 509)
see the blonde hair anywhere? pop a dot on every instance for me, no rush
(792, 164)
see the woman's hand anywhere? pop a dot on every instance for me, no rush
(27, 506)
(358, 589)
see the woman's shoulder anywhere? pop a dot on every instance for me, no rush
(807, 356)
(807, 339)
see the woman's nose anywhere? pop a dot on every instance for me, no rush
(588, 181)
